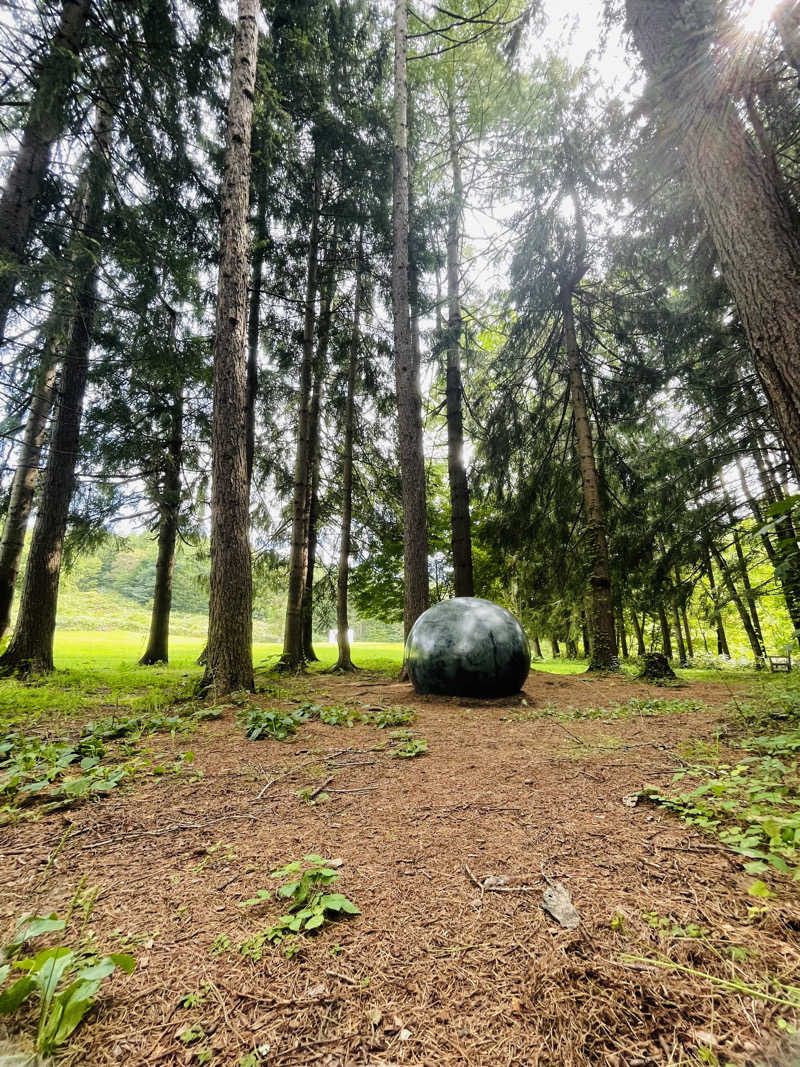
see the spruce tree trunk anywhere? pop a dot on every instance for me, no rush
(687, 631)
(47, 115)
(320, 371)
(344, 661)
(556, 647)
(623, 637)
(676, 620)
(461, 538)
(23, 486)
(722, 640)
(744, 614)
(157, 650)
(253, 317)
(292, 657)
(749, 216)
(31, 647)
(604, 641)
(585, 635)
(309, 655)
(537, 647)
(641, 648)
(682, 598)
(666, 638)
(56, 336)
(749, 594)
(409, 401)
(229, 662)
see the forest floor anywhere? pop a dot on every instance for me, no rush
(681, 957)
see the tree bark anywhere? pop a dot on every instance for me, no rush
(641, 648)
(461, 538)
(750, 217)
(604, 641)
(623, 637)
(157, 650)
(56, 336)
(586, 637)
(253, 317)
(31, 647)
(46, 118)
(676, 620)
(292, 657)
(687, 631)
(312, 485)
(682, 598)
(744, 614)
(556, 647)
(537, 647)
(409, 402)
(749, 593)
(344, 661)
(722, 640)
(23, 485)
(229, 665)
(666, 638)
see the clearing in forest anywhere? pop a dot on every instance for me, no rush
(681, 956)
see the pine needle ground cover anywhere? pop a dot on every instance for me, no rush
(423, 879)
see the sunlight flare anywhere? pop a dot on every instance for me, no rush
(756, 15)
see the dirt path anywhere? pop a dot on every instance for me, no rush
(436, 970)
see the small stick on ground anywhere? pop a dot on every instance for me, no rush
(316, 792)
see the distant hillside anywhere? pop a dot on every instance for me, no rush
(111, 588)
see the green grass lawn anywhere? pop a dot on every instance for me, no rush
(99, 669)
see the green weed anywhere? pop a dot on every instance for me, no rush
(268, 723)
(341, 715)
(387, 717)
(410, 748)
(42, 775)
(310, 908)
(750, 805)
(63, 980)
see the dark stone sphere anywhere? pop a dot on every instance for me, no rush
(467, 647)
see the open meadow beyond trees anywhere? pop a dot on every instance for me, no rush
(400, 533)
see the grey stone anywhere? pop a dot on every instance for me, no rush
(467, 647)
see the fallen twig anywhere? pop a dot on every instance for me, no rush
(316, 792)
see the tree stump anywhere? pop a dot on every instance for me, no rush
(655, 666)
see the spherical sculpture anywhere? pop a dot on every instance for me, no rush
(467, 647)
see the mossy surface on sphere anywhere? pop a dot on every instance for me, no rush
(467, 647)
